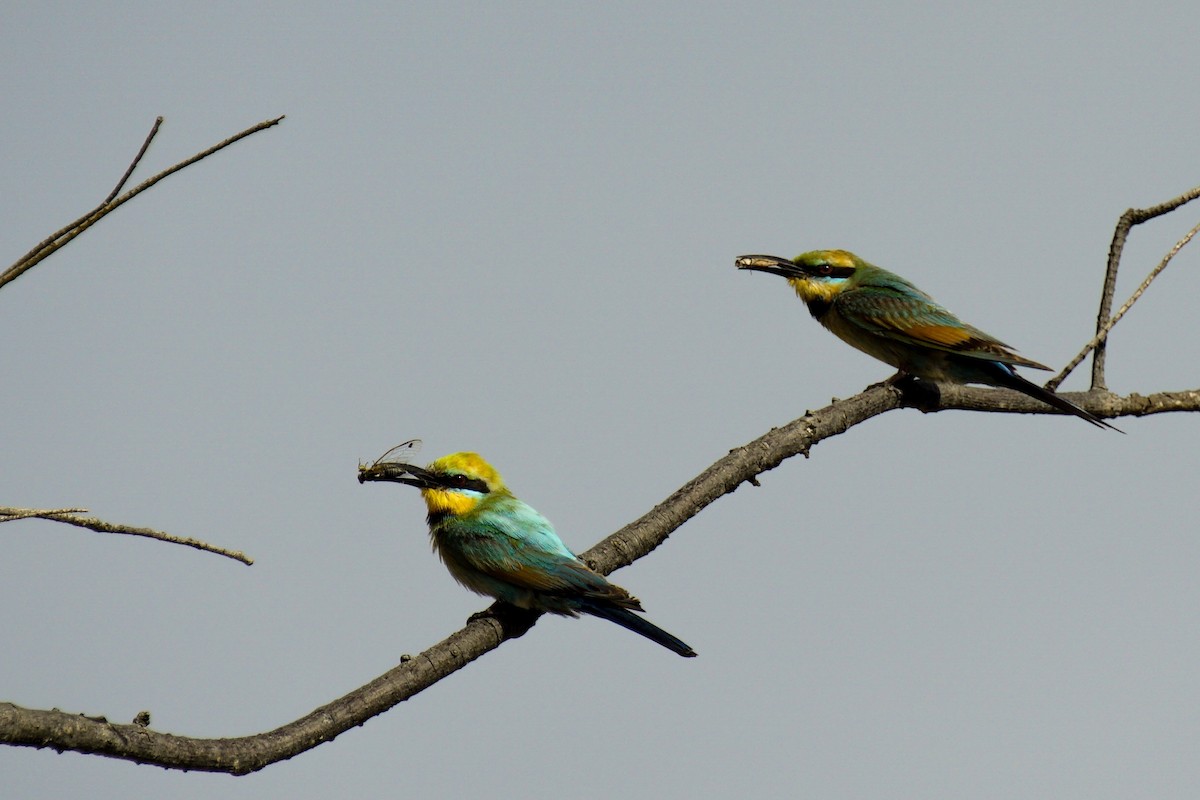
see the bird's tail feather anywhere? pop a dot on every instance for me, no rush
(1011, 380)
(631, 621)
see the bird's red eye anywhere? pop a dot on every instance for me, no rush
(824, 269)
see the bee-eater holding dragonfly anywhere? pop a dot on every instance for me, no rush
(889, 318)
(499, 546)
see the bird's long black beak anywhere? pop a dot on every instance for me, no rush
(772, 264)
(397, 472)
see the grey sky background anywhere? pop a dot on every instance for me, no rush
(511, 229)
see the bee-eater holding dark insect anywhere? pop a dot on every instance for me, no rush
(499, 546)
(887, 317)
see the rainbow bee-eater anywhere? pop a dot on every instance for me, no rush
(889, 318)
(501, 547)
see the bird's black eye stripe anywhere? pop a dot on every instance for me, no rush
(830, 271)
(473, 484)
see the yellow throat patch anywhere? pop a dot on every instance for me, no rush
(456, 502)
(810, 289)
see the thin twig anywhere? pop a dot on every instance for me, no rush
(100, 526)
(136, 160)
(10, 514)
(1133, 216)
(1102, 335)
(61, 238)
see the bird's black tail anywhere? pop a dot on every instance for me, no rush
(631, 621)
(1011, 380)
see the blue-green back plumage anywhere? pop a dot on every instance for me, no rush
(506, 549)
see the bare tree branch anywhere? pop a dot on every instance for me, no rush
(12, 514)
(136, 160)
(238, 756)
(100, 526)
(61, 238)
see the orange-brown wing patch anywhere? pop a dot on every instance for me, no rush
(529, 577)
(905, 314)
(962, 339)
(941, 335)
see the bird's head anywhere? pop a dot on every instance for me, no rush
(817, 276)
(453, 484)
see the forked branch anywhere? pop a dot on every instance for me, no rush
(60, 238)
(1105, 322)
